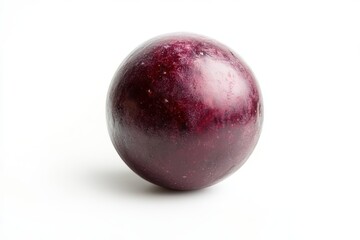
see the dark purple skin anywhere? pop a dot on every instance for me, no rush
(184, 111)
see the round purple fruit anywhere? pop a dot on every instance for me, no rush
(184, 111)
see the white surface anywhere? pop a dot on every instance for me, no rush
(60, 177)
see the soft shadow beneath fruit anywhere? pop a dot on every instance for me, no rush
(125, 182)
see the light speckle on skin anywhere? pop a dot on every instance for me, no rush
(164, 72)
(184, 176)
(165, 100)
(142, 63)
(201, 53)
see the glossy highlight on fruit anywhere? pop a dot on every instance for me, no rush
(184, 111)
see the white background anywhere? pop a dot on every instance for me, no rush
(60, 177)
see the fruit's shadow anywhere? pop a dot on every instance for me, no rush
(125, 182)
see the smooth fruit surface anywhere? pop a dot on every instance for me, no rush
(184, 111)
